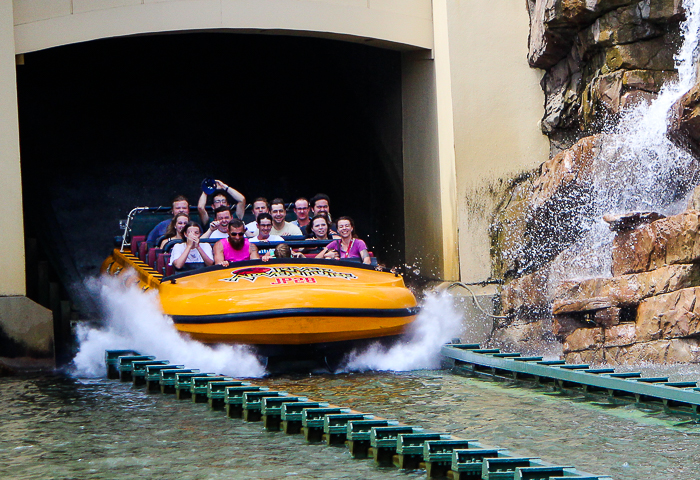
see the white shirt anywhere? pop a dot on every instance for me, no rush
(193, 256)
(288, 229)
(217, 234)
(251, 229)
(262, 249)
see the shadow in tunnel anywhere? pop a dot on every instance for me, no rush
(111, 124)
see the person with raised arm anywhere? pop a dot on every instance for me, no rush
(219, 227)
(348, 246)
(220, 199)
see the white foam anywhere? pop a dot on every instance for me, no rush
(134, 320)
(437, 323)
(639, 168)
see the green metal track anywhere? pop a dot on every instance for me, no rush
(680, 396)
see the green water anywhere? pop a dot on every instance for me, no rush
(65, 428)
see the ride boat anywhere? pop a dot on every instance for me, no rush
(280, 306)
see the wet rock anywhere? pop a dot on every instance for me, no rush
(620, 26)
(629, 221)
(681, 350)
(656, 54)
(663, 11)
(694, 200)
(620, 335)
(527, 338)
(622, 291)
(684, 126)
(647, 80)
(526, 297)
(608, 317)
(565, 325)
(562, 87)
(668, 241)
(584, 339)
(554, 24)
(541, 218)
(674, 315)
(590, 357)
(508, 229)
(636, 97)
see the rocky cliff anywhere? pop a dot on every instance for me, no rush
(600, 57)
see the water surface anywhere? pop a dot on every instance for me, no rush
(61, 427)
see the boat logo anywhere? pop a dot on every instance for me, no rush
(251, 274)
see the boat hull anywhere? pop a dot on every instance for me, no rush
(279, 303)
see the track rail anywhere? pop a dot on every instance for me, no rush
(679, 397)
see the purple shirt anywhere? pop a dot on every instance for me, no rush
(356, 247)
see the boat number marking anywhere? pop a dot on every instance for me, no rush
(283, 273)
(286, 280)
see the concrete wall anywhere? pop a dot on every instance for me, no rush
(471, 104)
(12, 280)
(398, 24)
(497, 104)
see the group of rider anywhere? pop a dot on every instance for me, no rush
(240, 242)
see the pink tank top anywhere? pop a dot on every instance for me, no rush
(232, 255)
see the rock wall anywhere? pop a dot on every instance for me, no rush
(648, 310)
(599, 57)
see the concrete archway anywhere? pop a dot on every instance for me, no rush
(404, 26)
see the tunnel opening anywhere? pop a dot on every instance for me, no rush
(111, 124)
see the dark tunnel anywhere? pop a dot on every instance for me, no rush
(111, 124)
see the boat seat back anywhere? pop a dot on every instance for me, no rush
(135, 240)
(152, 255)
(161, 260)
(143, 250)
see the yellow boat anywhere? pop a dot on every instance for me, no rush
(282, 302)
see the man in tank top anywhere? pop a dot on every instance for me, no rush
(235, 248)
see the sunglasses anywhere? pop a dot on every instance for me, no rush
(236, 234)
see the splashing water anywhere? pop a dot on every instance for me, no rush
(638, 168)
(437, 323)
(134, 320)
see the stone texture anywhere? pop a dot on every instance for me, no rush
(608, 317)
(668, 241)
(554, 24)
(682, 350)
(656, 54)
(622, 291)
(684, 127)
(620, 26)
(526, 297)
(647, 80)
(581, 43)
(694, 200)
(565, 325)
(527, 338)
(620, 335)
(508, 229)
(539, 219)
(629, 221)
(583, 339)
(674, 315)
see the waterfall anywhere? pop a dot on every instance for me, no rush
(638, 168)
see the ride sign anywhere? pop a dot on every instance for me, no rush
(283, 275)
